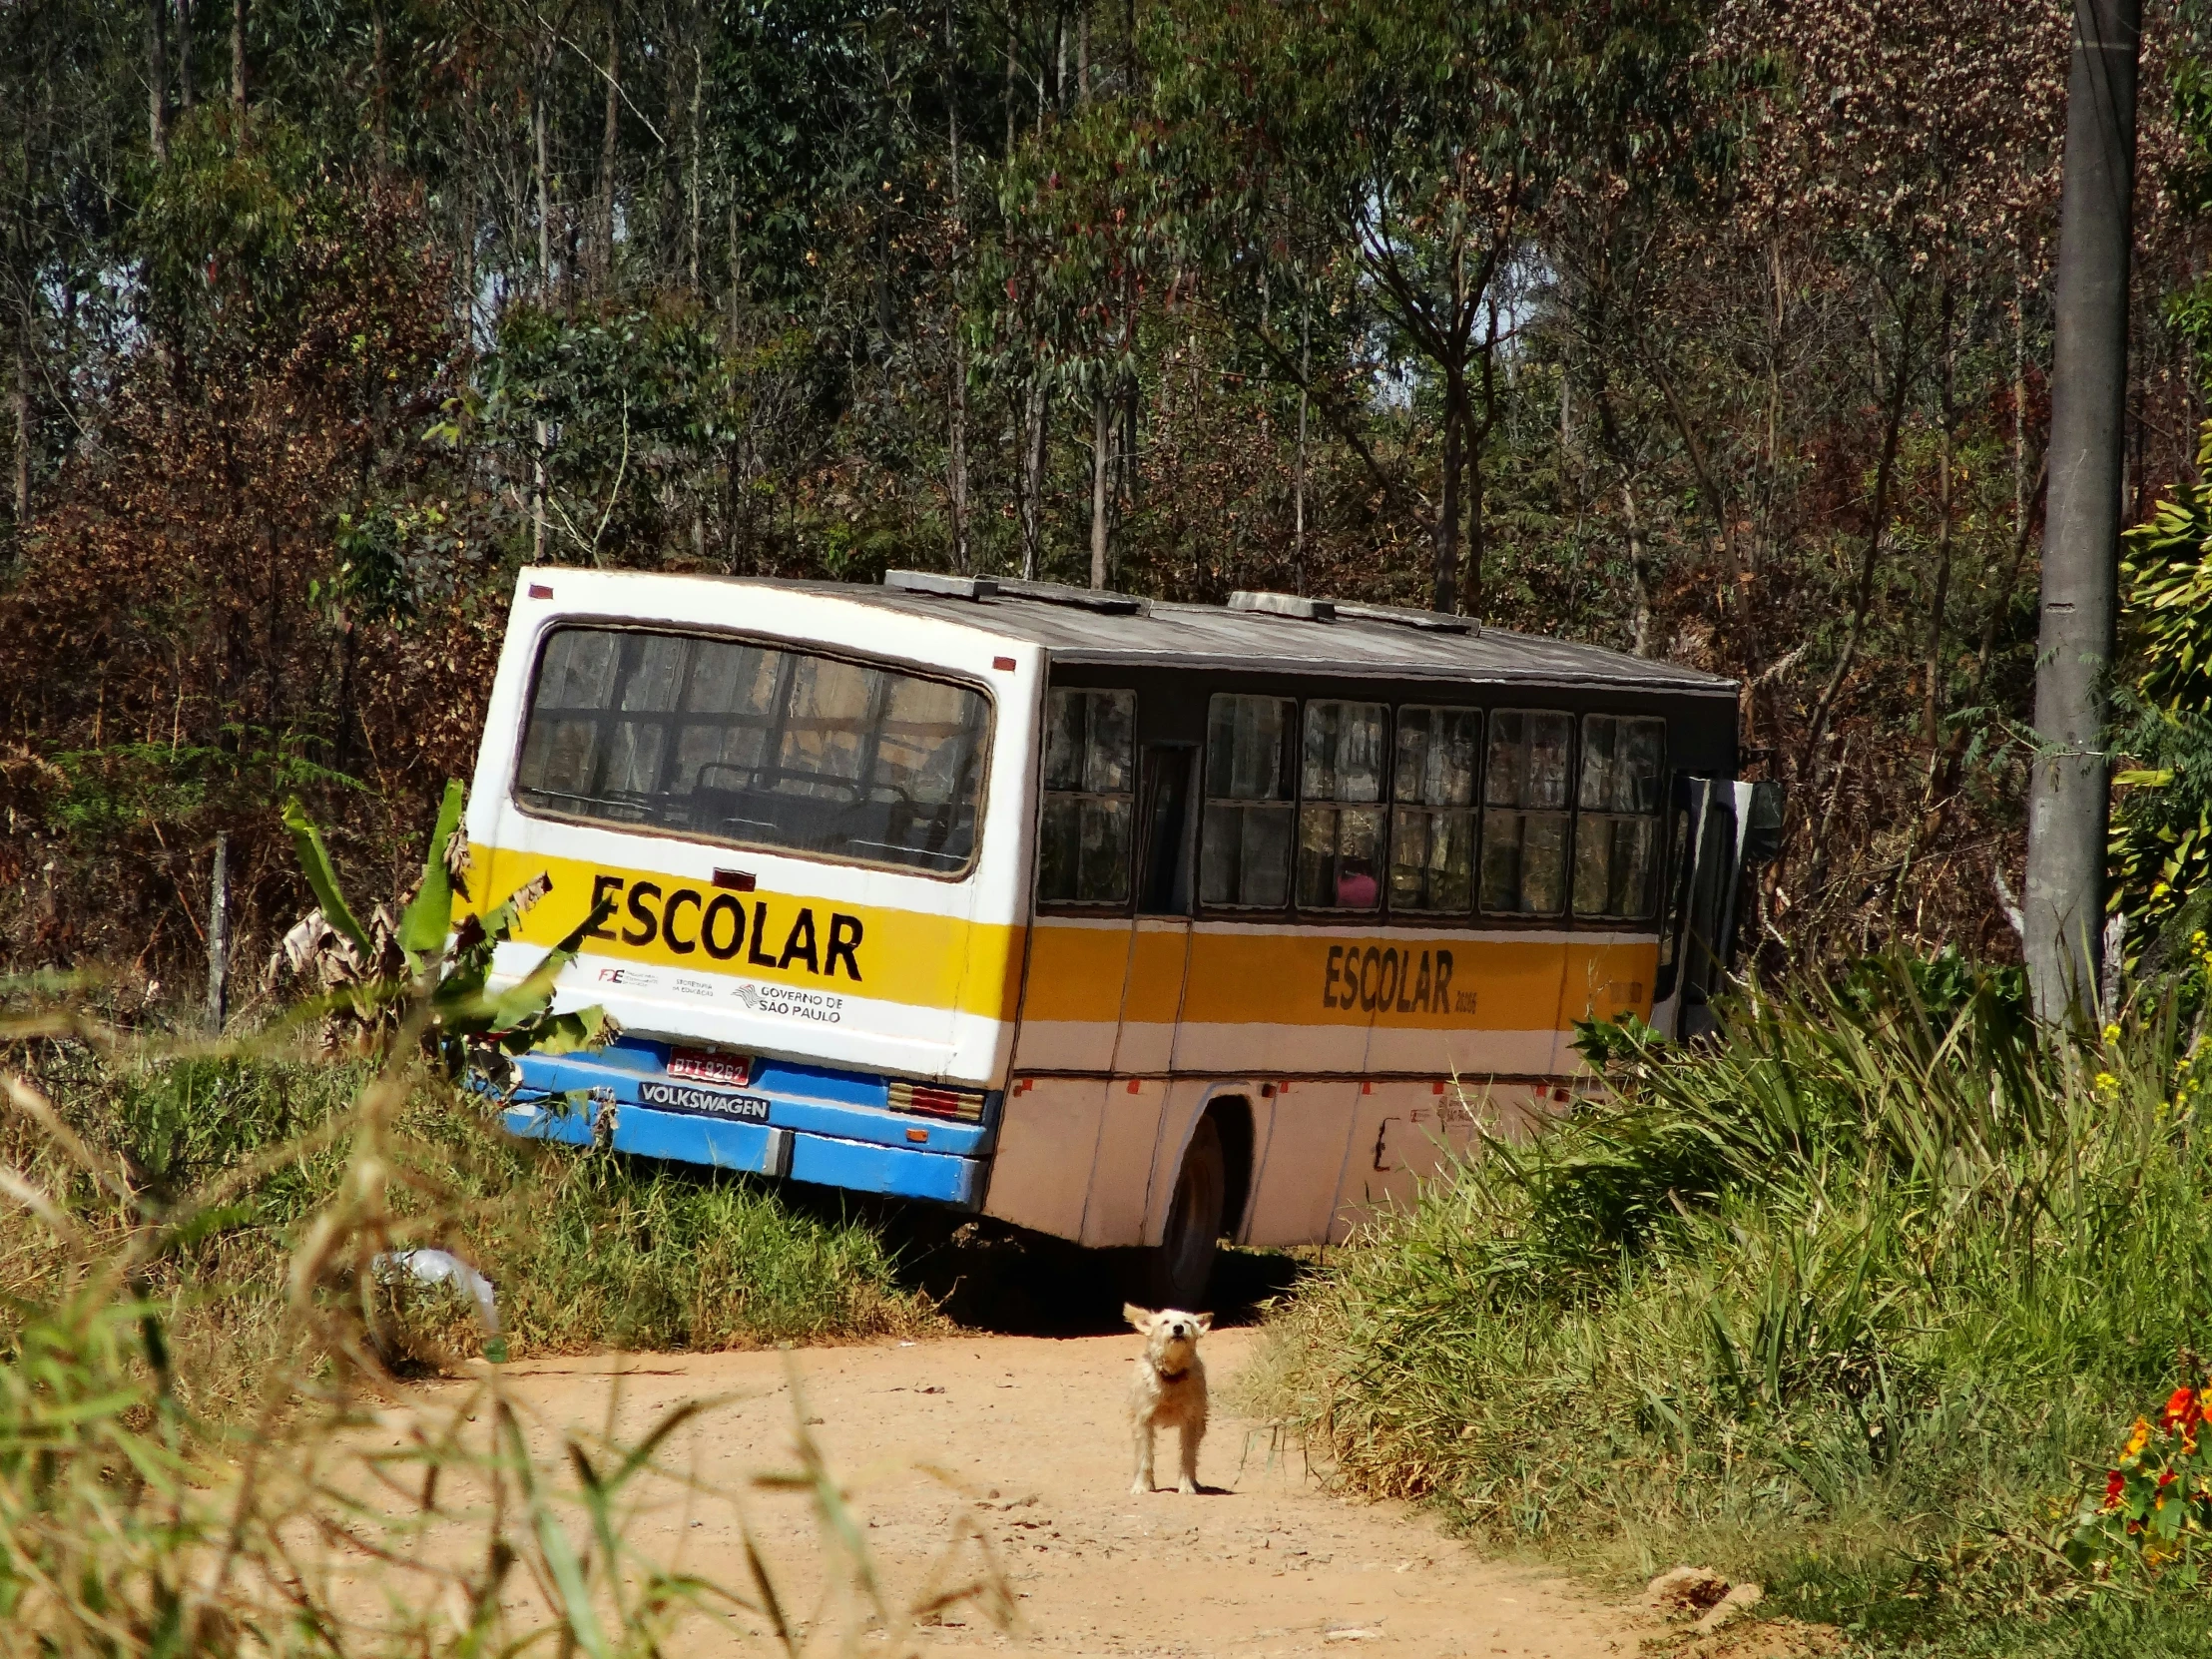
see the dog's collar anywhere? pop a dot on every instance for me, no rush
(1170, 1376)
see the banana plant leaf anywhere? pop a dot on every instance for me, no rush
(430, 917)
(315, 863)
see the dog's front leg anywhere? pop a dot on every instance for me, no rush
(1142, 1483)
(1191, 1432)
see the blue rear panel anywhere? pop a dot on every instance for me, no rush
(829, 1127)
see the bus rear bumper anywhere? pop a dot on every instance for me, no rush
(757, 1149)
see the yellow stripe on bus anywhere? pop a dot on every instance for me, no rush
(1336, 977)
(1076, 974)
(895, 955)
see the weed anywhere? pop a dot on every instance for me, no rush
(587, 1251)
(1856, 1295)
(164, 1492)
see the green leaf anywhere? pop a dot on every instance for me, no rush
(571, 1033)
(535, 993)
(561, 1560)
(315, 863)
(423, 930)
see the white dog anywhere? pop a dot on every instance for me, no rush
(1169, 1387)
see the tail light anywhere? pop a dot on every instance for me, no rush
(934, 1100)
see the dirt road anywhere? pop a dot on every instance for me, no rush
(1028, 1437)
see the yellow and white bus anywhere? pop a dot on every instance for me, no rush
(1132, 922)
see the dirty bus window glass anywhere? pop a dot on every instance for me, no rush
(732, 741)
(1433, 820)
(1524, 821)
(1089, 788)
(1616, 828)
(1339, 815)
(1245, 850)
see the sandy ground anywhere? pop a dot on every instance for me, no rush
(1020, 1439)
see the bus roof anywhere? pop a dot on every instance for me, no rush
(1254, 632)
(1276, 632)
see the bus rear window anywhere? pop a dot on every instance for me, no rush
(730, 740)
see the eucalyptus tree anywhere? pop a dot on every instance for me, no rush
(1416, 145)
(1087, 239)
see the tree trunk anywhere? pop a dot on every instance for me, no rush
(186, 92)
(574, 233)
(539, 430)
(698, 75)
(1477, 437)
(157, 78)
(218, 937)
(956, 481)
(1639, 572)
(1032, 477)
(608, 134)
(2069, 789)
(1445, 590)
(1885, 481)
(1473, 597)
(19, 398)
(467, 227)
(238, 55)
(380, 92)
(1102, 445)
(540, 173)
(1298, 466)
(1933, 711)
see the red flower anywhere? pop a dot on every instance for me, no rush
(2179, 1408)
(2166, 1481)
(2113, 1487)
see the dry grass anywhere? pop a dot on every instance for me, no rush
(198, 1412)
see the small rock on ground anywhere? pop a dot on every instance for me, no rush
(1681, 1591)
(1734, 1605)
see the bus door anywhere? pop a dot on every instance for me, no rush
(1718, 829)
(1701, 858)
(1160, 951)
(1152, 1000)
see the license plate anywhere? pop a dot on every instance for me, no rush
(704, 1065)
(682, 1097)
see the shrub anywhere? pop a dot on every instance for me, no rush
(1868, 1277)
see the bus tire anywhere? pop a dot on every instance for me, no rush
(1179, 1269)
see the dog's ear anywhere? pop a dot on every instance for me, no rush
(1205, 1321)
(1140, 1319)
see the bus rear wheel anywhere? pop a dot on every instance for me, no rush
(1179, 1269)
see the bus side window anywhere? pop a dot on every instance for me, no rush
(1439, 752)
(1339, 816)
(1244, 839)
(1616, 829)
(1524, 824)
(1089, 796)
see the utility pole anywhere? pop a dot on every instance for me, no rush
(2069, 790)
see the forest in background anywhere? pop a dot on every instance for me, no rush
(1715, 330)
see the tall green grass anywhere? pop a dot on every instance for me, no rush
(587, 1250)
(323, 1509)
(1857, 1297)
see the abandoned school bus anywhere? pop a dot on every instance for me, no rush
(1137, 924)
